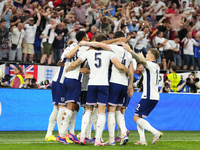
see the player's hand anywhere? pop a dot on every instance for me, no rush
(61, 64)
(84, 70)
(130, 91)
(199, 51)
(70, 42)
(141, 55)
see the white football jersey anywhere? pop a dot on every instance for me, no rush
(60, 74)
(99, 62)
(158, 41)
(150, 81)
(75, 74)
(125, 58)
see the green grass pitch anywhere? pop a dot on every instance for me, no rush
(34, 140)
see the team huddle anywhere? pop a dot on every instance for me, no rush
(99, 76)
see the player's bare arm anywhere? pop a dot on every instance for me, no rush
(134, 55)
(120, 66)
(71, 53)
(74, 65)
(95, 44)
(131, 77)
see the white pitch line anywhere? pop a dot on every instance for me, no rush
(37, 142)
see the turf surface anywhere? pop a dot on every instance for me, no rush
(34, 140)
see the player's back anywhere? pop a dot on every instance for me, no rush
(75, 74)
(150, 81)
(60, 74)
(125, 58)
(99, 61)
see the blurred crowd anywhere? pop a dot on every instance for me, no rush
(40, 30)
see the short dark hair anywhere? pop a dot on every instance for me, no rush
(155, 53)
(158, 32)
(100, 37)
(2, 20)
(166, 21)
(174, 68)
(80, 35)
(118, 34)
(176, 37)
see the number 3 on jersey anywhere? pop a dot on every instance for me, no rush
(98, 60)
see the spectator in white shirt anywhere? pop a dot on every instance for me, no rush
(176, 46)
(29, 37)
(158, 6)
(18, 39)
(47, 37)
(142, 41)
(188, 51)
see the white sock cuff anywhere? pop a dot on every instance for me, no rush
(111, 113)
(89, 111)
(55, 107)
(138, 121)
(103, 114)
(62, 108)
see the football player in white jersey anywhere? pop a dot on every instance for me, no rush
(72, 90)
(98, 87)
(118, 92)
(58, 96)
(150, 95)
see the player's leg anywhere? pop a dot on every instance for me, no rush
(143, 109)
(90, 102)
(52, 122)
(73, 120)
(73, 88)
(61, 110)
(102, 101)
(100, 124)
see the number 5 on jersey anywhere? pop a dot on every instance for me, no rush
(98, 60)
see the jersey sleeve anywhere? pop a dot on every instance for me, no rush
(83, 56)
(112, 55)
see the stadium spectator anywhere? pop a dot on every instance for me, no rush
(25, 16)
(7, 15)
(188, 51)
(166, 87)
(80, 10)
(16, 42)
(19, 78)
(153, 20)
(47, 37)
(197, 53)
(176, 47)
(174, 78)
(92, 32)
(29, 36)
(3, 35)
(16, 19)
(2, 4)
(106, 25)
(142, 41)
(189, 85)
(58, 43)
(158, 6)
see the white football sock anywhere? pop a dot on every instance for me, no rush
(85, 122)
(117, 118)
(61, 111)
(94, 117)
(145, 124)
(121, 123)
(52, 121)
(65, 122)
(100, 126)
(141, 133)
(88, 129)
(73, 122)
(111, 126)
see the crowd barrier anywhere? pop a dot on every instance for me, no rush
(29, 110)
